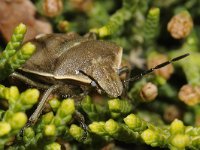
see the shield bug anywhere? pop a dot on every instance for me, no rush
(71, 64)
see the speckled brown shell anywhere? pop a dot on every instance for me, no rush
(61, 56)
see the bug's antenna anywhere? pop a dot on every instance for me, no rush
(156, 67)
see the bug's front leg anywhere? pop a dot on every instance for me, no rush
(121, 71)
(80, 118)
(34, 117)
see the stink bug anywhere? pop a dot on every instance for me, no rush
(67, 62)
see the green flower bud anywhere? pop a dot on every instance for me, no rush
(119, 106)
(50, 130)
(28, 48)
(177, 126)
(11, 94)
(54, 103)
(115, 115)
(18, 120)
(103, 31)
(149, 136)
(111, 126)
(4, 128)
(98, 128)
(20, 29)
(76, 132)
(180, 141)
(114, 105)
(134, 123)
(30, 96)
(67, 107)
(28, 134)
(154, 11)
(53, 146)
(57, 121)
(47, 118)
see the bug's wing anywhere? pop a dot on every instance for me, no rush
(48, 49)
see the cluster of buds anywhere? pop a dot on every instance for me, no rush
(148, 92)
(180, 25)
(189, 94)
(171, 113)
(52, 8)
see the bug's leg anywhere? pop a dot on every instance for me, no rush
(28, 81)
(122, 70)
(80, 118)
(90, 35)
(34, 117)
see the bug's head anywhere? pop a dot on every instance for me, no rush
(109, 83)
(106, 80)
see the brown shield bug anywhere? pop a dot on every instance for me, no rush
(67, 62)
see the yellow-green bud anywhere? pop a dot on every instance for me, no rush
(115, 115)
(30, 96)
(67, 107)
(54, 103)
(177, 126)
(149, 136)
(103, 31)
(47, 118)
(20, 29)
(114, 105)
(53, 146)
(134, 123)
(4, 128)
(180, 141)
(154, 11)
(28, 48)
(18, 120)
(98, 128)
(76, 131)
(111, 126)
(11, 94)
(28, 134)
(50, 130)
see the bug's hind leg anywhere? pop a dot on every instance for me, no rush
(122, 70)
(80, 118)
(34, 117)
